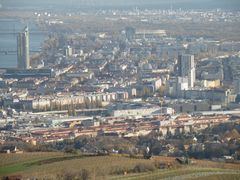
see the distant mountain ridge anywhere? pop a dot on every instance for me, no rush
(88, 4)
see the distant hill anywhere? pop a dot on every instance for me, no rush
(92, 4)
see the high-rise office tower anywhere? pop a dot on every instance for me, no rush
(23, 58)
(236, 84)
(130, 32)
(68, 51)
(186, 68)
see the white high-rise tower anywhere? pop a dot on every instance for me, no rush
(23, 58)
(186, 68)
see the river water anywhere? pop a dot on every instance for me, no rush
(8, 40)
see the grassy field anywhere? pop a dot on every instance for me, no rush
(11, 163)
(8, 159)
(220, 177)
(54, 165)
(182, 174)
(51, 164)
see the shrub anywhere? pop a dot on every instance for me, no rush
(69, 176)
(119, 170)
(84, 174)
(144, 168)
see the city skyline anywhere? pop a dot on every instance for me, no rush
(120, 89)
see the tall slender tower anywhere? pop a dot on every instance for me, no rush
(186, 68)
(23, 49)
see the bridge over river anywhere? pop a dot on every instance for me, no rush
(13, 51)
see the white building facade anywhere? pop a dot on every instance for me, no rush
(187, 69)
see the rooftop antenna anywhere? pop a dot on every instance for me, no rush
(171, 6)
(71, 3)
(136, 10)
(14, 30)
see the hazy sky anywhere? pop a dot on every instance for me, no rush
(163, 4)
